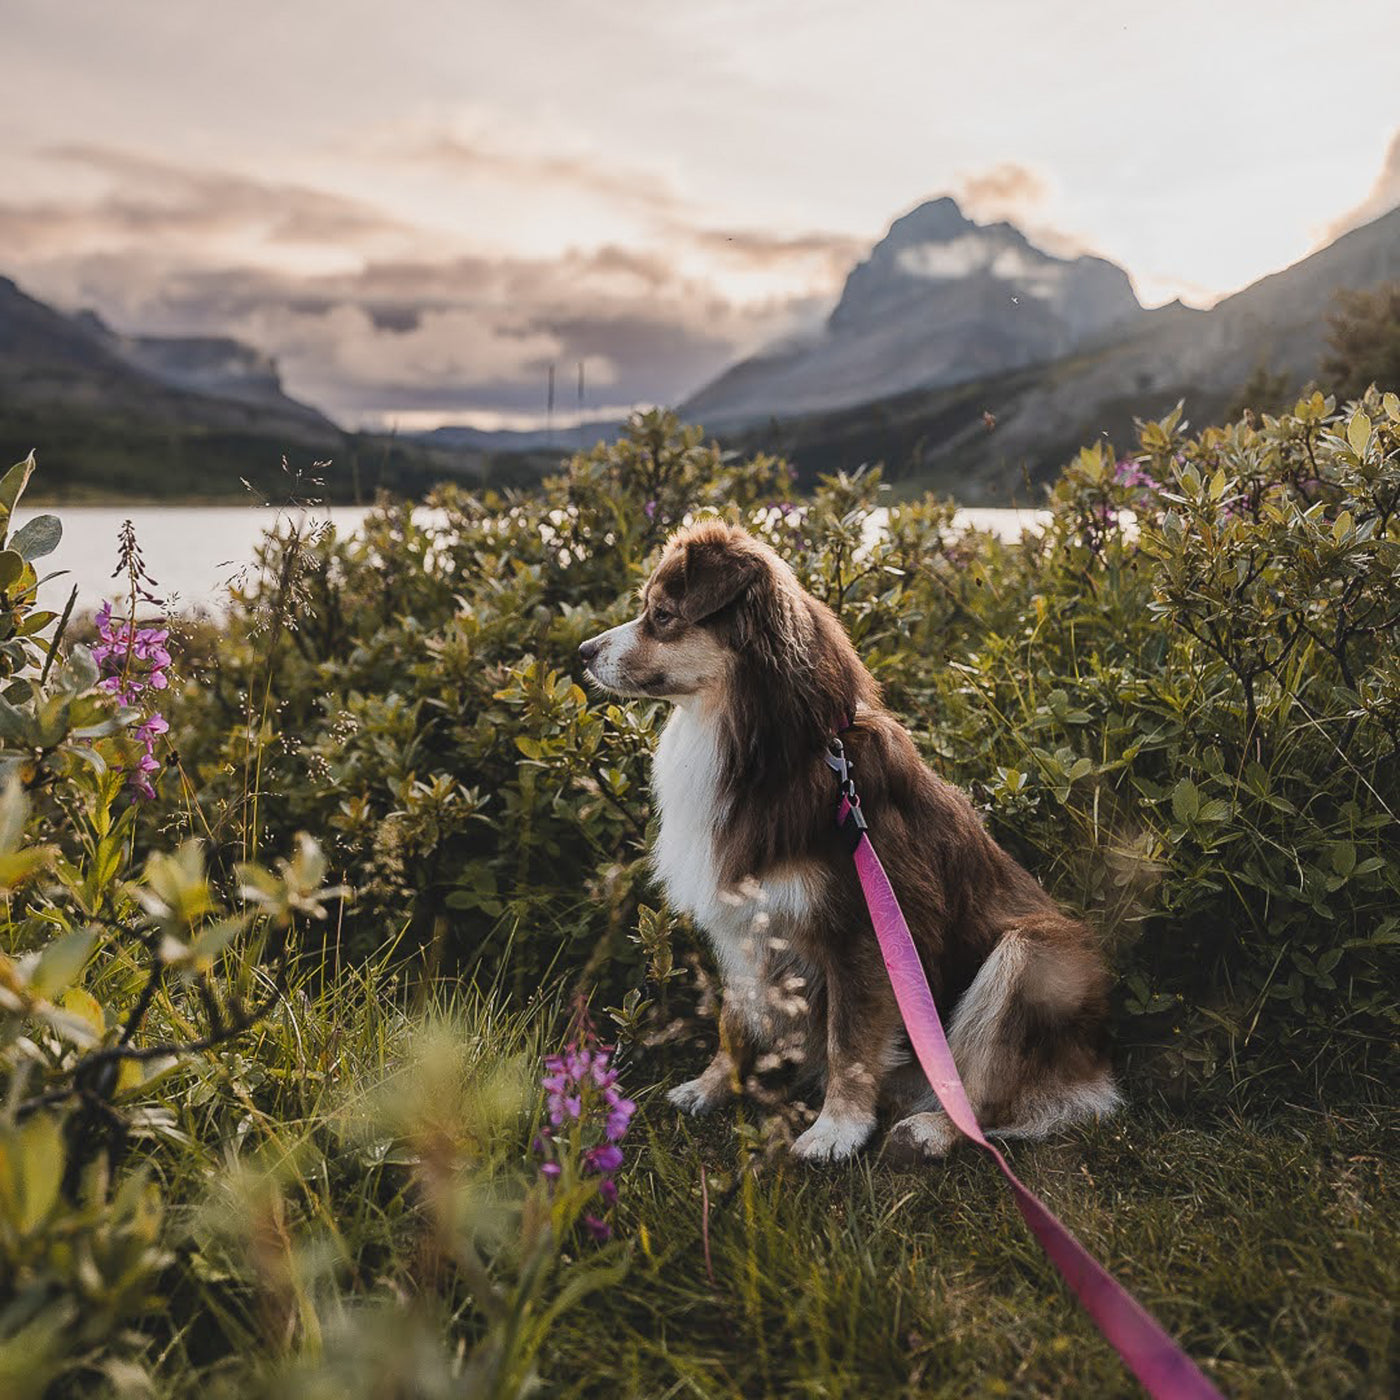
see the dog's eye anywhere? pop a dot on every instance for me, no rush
(661, 616)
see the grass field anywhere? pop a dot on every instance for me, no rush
(1263, 1234)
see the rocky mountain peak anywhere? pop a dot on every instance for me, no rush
(935, 221)
(938, 300)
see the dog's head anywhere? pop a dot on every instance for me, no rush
(716, 594)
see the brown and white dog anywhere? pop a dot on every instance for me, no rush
(761, 675)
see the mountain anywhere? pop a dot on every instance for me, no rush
(47, 358)
(940, 300)
(186, 417)
(216, 366)
(937, 434)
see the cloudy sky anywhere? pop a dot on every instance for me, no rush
(419, 206)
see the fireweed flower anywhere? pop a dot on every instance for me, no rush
(585, 1106)
(135, 659)
(1130, 472)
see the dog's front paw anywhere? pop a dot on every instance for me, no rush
(696, 1096)
(830, 1138)
(919, 1137)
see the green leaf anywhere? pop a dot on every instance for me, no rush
(1391, 404)
(11, 489)
(1359, 432)
(1186, 801)
(215, 938)
(40, 1171)
(61, 962)
(18, 866)
(175, 887)
(38, 537)
(16, 726)
(11, 568)
(14, 812)
(86, 1008)
(1342, 527)
(1343, 857)
(82, 669)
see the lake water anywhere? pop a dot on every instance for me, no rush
(194, 551)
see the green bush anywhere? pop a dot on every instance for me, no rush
(1179, 704)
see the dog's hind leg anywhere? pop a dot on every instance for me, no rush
(1028, 1040)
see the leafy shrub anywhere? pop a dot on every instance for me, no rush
(1179, 704)
(421, 708)
(1195, 727)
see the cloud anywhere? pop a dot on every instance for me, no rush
(1017, 194)
(466, 335)
(646, 194)
(761, 250)
(1383, 197)
(368, 314)
(472, 157)
(962, 256)
(154, 199)
(1006, 191)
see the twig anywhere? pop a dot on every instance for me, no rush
(705, 1223)
(58, 635)
(82, 1071)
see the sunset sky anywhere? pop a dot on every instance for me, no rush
(418, 206)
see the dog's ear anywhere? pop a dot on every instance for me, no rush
(715, 575)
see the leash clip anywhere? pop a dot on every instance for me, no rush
(852, 819)
(836, 758)
(843, 767)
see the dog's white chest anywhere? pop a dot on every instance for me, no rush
(745, 923)
(685, 783)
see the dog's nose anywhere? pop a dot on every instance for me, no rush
(589, 649)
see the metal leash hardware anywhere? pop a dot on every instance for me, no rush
(851, 819)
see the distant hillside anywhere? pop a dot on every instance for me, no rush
(941, 300)
(183, 418)
(938, 436)
(214, 366)
(570, 438)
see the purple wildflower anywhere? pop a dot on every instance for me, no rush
(603, 1158)
(619, 1116)
(1131, 473)
(649, 510)
(136, 658)
(586, 1109)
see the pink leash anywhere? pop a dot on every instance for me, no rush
(1165, 1371)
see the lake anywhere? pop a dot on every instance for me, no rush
(193, 552)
